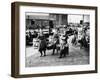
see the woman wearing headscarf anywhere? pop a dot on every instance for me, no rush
(42, 44)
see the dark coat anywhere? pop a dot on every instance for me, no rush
(43, 44)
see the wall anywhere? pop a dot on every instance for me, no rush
(5, 40)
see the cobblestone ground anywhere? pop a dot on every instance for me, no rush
(76, 56)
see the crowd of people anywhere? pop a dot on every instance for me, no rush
(56, 42)
(82, 37)
(59, 41)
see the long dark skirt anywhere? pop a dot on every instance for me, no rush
(42, 48)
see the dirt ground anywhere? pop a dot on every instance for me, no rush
(76, 56)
